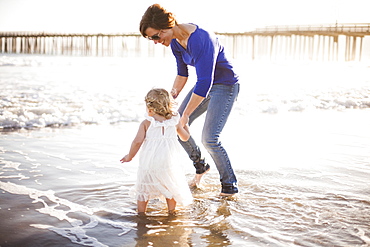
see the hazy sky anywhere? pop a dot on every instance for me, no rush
(217, 15)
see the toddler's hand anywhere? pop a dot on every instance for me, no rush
(125, 159)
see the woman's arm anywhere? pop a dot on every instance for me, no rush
(183, 132)
(193, 103)
(178, 85)
(136, 143)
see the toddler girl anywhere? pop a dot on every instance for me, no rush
(159, 174)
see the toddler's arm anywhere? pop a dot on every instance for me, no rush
(136, 143)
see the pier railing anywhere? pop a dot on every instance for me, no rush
(331, 42)
(359, 29)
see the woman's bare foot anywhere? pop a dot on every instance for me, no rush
(198, 178)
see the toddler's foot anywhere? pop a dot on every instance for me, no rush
(141, 214)
(172, 212)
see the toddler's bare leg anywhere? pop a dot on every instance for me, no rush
(171, 205)
(141, 207)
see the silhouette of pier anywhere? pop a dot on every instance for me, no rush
(313, 42)
(335, 42)
(97, 44)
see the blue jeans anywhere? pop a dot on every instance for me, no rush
(218, 105)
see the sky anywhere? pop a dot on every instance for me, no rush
(123, 16)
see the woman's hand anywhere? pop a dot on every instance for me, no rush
(178, 85)
(184, 120)
(174, 93)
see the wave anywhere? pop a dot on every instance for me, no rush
(33, 110)
(58, 116)
(334, 100)
(53, 91)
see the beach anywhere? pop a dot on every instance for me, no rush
(298, 139)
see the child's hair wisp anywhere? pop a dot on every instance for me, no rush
(161, 102)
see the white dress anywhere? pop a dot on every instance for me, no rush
(160, 174)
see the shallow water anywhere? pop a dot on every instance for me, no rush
(302, 173)
(65, 186)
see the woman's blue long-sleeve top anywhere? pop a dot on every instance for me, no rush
(207, 55)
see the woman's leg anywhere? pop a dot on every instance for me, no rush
(222, 98)
(190, 146)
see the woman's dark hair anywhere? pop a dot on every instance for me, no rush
(158, 18)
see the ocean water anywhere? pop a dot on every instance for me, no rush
(298, 139)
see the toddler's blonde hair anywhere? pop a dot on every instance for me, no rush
(161, 102)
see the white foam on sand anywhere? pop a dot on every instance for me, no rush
(77, 232)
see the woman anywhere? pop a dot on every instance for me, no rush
(215, 91)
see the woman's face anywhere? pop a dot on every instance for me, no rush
(163, 36)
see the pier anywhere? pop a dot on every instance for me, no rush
(80, 44)
(334, 42)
